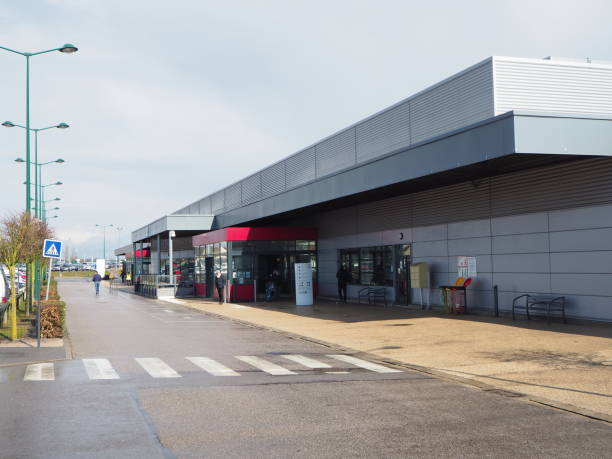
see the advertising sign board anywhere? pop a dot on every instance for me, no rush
(101, 266)
(303, 284)
(466, 267)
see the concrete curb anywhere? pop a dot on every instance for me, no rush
(426, 370)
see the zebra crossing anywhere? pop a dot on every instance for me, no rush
(102, 369)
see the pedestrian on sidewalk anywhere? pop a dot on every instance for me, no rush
(96, 280)
(220, 285)
(343, 277)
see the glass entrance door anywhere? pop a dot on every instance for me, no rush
(210, 276)
(403, 256)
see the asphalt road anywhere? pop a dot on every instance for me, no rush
(153, 379)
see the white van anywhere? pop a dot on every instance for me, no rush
(5, 290)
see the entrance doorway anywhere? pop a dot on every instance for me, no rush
(278, 269)
(403, 257)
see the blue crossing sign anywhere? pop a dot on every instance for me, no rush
(52, 249)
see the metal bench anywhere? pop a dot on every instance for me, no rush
(538, 303)
(372, 294)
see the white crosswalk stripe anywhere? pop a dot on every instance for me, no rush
(39, 372)
(265, 365)
(306, 361)
(102, 369)
(364, 364)
(99, 369)
(212, 366)
(157, 368)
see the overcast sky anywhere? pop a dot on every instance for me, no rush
(169, 101)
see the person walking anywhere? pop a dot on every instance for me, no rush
(96, 280)
(343, 277)
(220, 285)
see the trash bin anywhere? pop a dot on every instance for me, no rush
(455, 296)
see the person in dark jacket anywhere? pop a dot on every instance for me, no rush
(96, 280)
(220, 285)
(343, 277)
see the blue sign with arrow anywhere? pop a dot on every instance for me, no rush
(52, 249)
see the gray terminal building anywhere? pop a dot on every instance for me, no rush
(505, 166)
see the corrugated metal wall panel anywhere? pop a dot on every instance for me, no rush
(388, 131)
(458, 102)
(338, 222)
(233, 196)
(183, 211)
(194, 209)
(300, 168)
(335, 153)
(389, 213)
(463, 201)
(251, 189)
(205, 206)
(552, 86)
(582, 183)
(273, 180)
(217, 201)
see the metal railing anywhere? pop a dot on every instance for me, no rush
(155, 285)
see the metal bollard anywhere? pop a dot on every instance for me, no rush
(496, 300)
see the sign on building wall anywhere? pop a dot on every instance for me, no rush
(303, 284)
(466, 267)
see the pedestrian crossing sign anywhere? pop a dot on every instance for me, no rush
(52, 249)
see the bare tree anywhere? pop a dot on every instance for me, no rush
(32, 253)
(19, 235)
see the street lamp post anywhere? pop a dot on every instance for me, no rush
(104, 228)
(68, 49)
(119, 229)
(38, 188)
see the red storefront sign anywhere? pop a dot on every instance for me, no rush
(272, 233)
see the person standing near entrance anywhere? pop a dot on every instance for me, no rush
(343, 277)
(220, 285)
(96, 280)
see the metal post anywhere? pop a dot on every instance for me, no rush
(171, 234)
(38, 304)
(496, 300)
(159, 271)
(49, 279)
(104, 246)
(28, 205)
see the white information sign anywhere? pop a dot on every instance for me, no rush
(303, 284)
(101, 266)
(466, 267)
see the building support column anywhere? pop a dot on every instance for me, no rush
(159, 268)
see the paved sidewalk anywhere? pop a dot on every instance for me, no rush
(25, 351)
(570, 365)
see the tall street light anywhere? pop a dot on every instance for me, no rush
(119, 229)
(38, 170)
(67, 49)
(42, 193)
(104, 228)
(44, 213)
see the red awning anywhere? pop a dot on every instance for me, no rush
(273, 233)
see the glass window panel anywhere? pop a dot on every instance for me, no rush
(242, 269)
